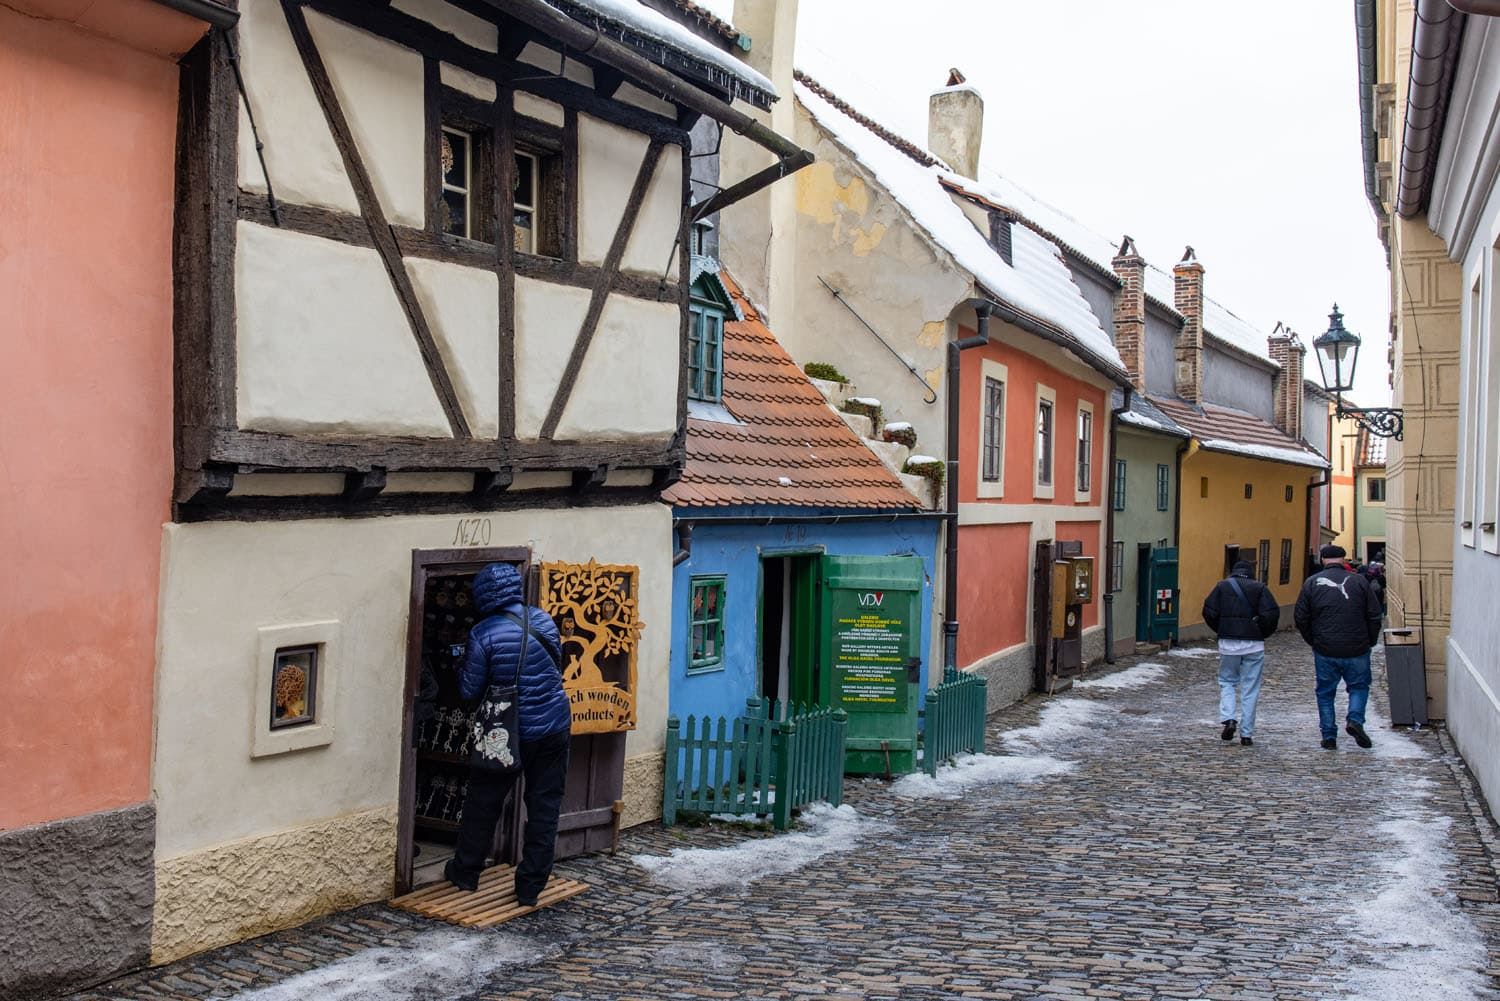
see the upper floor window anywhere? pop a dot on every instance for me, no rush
(1163, 486)
(706, 353)
(1046, 425)
(1119, 484)
(458, 182)
(1377, 489)
(1085, 450)
(994, 428)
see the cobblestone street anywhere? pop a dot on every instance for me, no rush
(1121, 851)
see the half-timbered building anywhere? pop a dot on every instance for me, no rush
(432, 312)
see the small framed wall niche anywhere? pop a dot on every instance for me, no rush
(296, 672)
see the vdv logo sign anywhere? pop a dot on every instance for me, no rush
(869, 598)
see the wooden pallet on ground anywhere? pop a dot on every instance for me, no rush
(492, 904)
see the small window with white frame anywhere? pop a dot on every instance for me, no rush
(460, 183)
(1469, 447)
(527, 180)
(993, 384)
(1084, 486)
(1046, 437)
(1489, 428)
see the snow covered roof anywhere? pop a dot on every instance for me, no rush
(1224, 429)
(1146, 415)
(1037, 284)
(651, 31)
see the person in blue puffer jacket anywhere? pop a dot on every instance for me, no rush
(491, 657)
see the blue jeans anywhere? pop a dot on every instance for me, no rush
(1355, 673)
(1240, 674)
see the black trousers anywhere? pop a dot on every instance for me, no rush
(544, 762)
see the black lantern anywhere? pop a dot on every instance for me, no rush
(1337, 349)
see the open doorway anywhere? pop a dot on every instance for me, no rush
(435, 728)
(788, 628)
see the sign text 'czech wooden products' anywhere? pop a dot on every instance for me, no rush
(597, 613)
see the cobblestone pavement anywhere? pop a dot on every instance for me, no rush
(1154, 861)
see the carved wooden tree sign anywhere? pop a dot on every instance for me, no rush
(597, 614)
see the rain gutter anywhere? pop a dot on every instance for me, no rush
(208, 11)
(583, 40)
(1434, 51)
(1364, 30)
(1006, 314)
(950, 555)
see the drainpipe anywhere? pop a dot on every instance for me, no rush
(1311, 521)
(1481, 8)
(1109, 525)
(1364, 30)
(950, 556)
(684, 543)
(1434, 50)
(213, 13)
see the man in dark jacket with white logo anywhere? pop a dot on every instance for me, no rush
(1338, 614)
(492, 657)
(1243, 612)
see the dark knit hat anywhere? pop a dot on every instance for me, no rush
(1243, 567)
(1332, 553)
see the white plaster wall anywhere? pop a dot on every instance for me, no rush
(548, 318)
(534, 107)
(627, 387)
(322, 343)
(222, 581)
(470, 83)
(653, 242)
(609, 157)
(462, 306)
(467, 28)
(304, 163)
(379, 86)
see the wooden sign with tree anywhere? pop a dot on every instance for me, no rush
(597, 613)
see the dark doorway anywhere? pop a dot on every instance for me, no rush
(1233, 554)
(788, 630)
(1142, 592)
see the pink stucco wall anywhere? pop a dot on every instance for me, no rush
(87, 132)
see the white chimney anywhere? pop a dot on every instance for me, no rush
(955, 125)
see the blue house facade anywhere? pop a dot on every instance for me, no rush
(804, 568)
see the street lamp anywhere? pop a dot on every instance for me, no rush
(1337, 349)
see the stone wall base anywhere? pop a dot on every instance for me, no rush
(75, 901)
(249, 887)
(644, 775)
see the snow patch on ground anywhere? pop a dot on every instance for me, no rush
(1423, 947)
(1136, 677)
(970, 770)
(826, 830)
(1192, 651)
(1388, 743)
(440, 963)
(1061, 719)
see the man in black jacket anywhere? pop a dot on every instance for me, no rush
(1338, 614)
(1243, 612)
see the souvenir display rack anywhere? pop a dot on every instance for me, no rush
(443, 739)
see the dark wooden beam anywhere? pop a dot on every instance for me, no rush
(432, 135)
(591, 479)
(607, 81)
(601, 288)
(570, 184)
(503, 257)
(388, 504)
(360, 487)
(684, 293)
(210, 483)
(312, 220)
(492, 482)
(374, 215)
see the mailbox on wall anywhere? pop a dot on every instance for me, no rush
(1080, 580)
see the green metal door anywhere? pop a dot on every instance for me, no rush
(1164, 594)
(869, 656)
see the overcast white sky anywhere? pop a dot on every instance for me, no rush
(1229, 126)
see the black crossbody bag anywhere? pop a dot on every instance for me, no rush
(1254, 615)
(497, 721)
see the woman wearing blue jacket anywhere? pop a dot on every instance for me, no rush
(493, 653)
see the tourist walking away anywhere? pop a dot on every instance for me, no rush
(1242, 612)
(514, 645)
(1338, 615)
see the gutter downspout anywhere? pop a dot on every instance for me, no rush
(584, 40)
(1311, 486)
(1434, 50)
(1109, 525)
(215, 14)
(950, 555)
(1479, 8)
(1364, 31)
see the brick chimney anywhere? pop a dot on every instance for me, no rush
(1130, 311)
(955, 125)
(1187, 295)
(1287, 351)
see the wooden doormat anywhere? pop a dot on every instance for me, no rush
(492, 904)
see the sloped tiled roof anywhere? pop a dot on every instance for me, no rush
(789, 448)
(1146, 415)
(1224, 429)
(1371, 449)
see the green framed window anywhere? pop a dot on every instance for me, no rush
(706, 624)
(1163, 486)
(706, 353)
(1119, 484)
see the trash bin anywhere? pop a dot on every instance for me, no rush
(1406, 676)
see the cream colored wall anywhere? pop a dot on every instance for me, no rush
(322, 343)
(379, 87)
(609, 157)
(223, 581)
(462, 305)
(300, 155)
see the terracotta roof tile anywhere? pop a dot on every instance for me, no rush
(1224, 429)
(790, 448)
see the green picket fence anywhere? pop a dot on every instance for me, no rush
(955, 718)
(768, 762)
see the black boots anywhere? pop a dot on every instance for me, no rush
(1358, 733)
(1329, 743)
(1229, 727)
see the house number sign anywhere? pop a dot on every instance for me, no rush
(472, 532)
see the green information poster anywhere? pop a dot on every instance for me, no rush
(870, 650)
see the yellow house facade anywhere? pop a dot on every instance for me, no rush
(1343, 454)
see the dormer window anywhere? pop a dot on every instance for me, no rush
(701, 231)
(706, 352)
(1000, 236)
